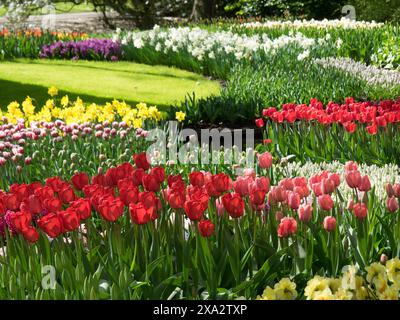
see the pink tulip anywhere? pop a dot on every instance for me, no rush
(325, 202)
(265, 160)
(328, 186)
(389, 190)
(329, 223)
(293, 200)
(335, 178)
(351, 166)
(305, 212)
(365, 184)
(353, 178)
(396, 189)
(392, 204)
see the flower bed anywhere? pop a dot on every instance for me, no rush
(334, 132)
(90, 49)
(159, 224)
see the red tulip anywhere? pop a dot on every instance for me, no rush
(150, 182)
(221, 182)
(305, 212)
(196, 178)
(129, 195)
(80, 180)
(325, 202)
(350, 126)
(140, 214)
(52, 205)
(287, 227)
(70, 219)
(149, 199)
(137, 176)
(20, 190)
(11, 202)
(206, 228)
(34, 205)
(372, 129)
(66, 195)
(82, 207)
(159, 173)
(360, 210)
(176, 198)
(111, 210)
(175, 179)
(329, 223)
(257, 197)
(259, 122)
(21, 221)
(141, 161)
(30, 234)
(233, 204)
(195, 209)
(51, 224)
(55, 183)
(211, 191)
(265, 160)
(392, 204)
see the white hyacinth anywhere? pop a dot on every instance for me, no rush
(371, 74)
(317, 24)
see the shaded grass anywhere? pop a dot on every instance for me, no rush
(100, 82)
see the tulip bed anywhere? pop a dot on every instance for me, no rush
(364, 131)
(135, 231)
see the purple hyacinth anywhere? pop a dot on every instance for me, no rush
(91, 49)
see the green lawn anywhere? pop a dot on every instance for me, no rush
(63, 7)
(100, 82)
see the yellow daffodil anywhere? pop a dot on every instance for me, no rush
(53, 91)
(393, 270)
(268, 294)
(180, 116)
(65, 101)
(285, 290)
(374, 270)
(390, 293)
(315, 285)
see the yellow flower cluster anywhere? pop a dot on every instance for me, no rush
(78, 112)
(283, 290)
(382, 282)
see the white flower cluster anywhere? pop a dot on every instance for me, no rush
(371, 74)
(18, 11)
(201, 44)
(379, 176)
(343, 23)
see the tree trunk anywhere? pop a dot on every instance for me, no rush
(196, 10)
